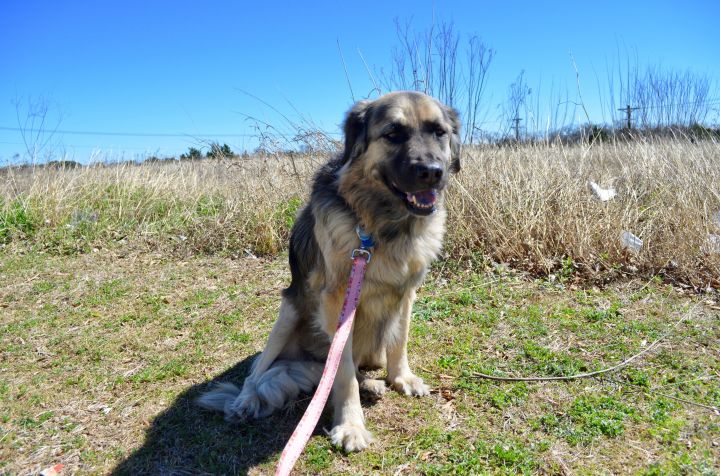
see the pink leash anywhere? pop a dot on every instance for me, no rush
(301, 435)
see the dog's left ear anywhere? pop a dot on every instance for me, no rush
(453, 117)
(355, 129)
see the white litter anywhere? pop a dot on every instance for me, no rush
(604, 194)
(630, 242)
(713, 243)
(52, 470)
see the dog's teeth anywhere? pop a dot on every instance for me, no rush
(416, 203)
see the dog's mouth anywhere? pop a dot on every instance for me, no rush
(421, 202)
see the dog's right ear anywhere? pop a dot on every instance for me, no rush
(355, 129)
(453, 116)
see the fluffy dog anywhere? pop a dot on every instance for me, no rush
(399, 153)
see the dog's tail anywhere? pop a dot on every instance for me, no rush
(219, 397)
(262, 395)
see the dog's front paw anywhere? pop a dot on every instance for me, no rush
(350, 437)
(410, 385)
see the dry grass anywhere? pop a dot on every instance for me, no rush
(529, 206)
(204, 206)
(126, 290)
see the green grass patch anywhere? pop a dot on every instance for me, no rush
(17, 220)
(119, 348)
(587, 418)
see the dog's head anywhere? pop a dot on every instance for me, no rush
(407, 143)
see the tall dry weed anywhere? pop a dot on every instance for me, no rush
(529, 206)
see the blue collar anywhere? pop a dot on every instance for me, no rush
(366, 240)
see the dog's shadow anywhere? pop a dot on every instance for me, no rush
(185, 439)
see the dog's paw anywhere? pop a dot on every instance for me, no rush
(374, 386)
(250, 404)
(350, 437)
(244, 407)
(410, 385)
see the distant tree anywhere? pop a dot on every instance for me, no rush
(38, 120)
(154, 159)
(64, 164)
(218, 151)
(516, 108)
(192, 154)
(438, 62)
(661, 96)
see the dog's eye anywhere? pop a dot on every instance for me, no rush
(395, 136)
(439, 132)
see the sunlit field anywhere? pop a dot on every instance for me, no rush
(126, 289)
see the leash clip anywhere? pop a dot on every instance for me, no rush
(361, 251)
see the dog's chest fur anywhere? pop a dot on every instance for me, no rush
(399, 265)
(395, 271)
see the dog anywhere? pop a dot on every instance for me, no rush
(399, 153)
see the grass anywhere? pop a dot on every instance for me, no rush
(126, 290)
(203, 207)
(103, 353)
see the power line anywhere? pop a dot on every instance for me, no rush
(124, 134)
(628, 110)
(85, 146)
(708, 102)
(147, 134)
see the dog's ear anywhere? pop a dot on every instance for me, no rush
(355, 129)
(453, 118)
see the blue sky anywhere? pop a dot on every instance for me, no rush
(183, 67)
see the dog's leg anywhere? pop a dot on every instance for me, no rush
(348, 429)
(400, 376)
(375, 360)
(251, 402)
(348, 421)
(279, 336)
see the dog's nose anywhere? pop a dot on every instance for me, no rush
(428, 174)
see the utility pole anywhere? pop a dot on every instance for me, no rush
(517, 128)
(628, 111)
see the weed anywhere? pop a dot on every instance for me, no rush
(15, 220)
(504, 397)
(587, 418)
(596, 315)
(318, 456)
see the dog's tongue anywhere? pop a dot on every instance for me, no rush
(426, 197)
